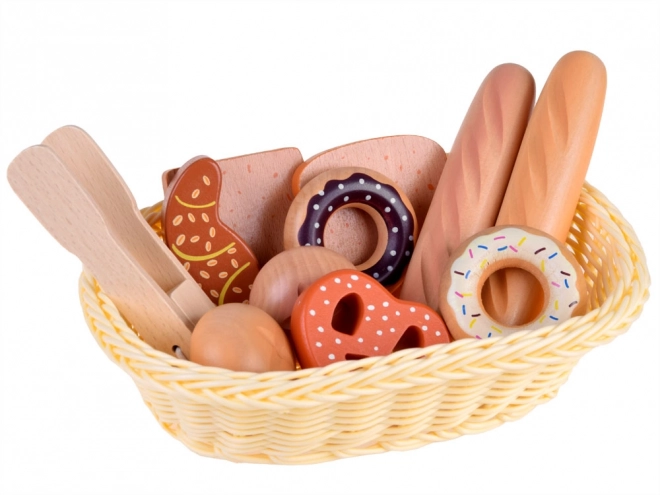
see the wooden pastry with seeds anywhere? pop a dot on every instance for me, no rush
(214, 255)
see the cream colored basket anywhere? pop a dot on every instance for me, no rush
(396, 402)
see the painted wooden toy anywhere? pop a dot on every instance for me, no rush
(370, 191)
(413, 163)
(287, 275)
(470, 190)
(553, 266)
(348, 315)
(240, 337)
(214, 255)
(549, 172)
(256, 194)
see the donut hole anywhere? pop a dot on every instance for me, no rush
(494, 296)
(353, 233)
(410, 339)
(347, 315)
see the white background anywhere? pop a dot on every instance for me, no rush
(158, 83)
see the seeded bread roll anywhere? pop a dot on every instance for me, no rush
(214, 255)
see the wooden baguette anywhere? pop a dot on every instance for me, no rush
(548, 174)
(470, 190)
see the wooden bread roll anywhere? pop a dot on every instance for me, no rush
(286, 275)
(471, 187)
(549, 172)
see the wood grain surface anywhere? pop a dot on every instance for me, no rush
(71, 215)
(549, 172)
(470, 190)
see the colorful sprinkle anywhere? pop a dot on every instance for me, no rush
(572, 304)
(473, 322)
(475, 315)
(566, 282)
(458, 273)
(557, 304)
(564, 273)
(483, 263)
(463, 308)
(490, 333)
(542, 318)
(499, 237)
(459, 294)
(468, 273)
(481, 246)
(513, 249)
(539, 250)
(502, 248)
(471, 255)
(552, 256)
(495, 328)
(553, 318)
(522, 240)
(543, 265)
(478, 337)
(556, 284)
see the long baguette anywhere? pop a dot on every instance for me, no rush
(472, 184)
(548, 174)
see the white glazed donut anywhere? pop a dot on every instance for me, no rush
(493, 249)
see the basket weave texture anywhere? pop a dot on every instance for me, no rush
(396, 402)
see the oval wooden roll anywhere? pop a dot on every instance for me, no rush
(470, 190)
(241, 337)
(549, 172)
(287, 275)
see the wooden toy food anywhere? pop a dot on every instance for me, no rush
(413, 163)
(287, 275)
(214, 255)
(355, 187)
(76, 194)
(240, 337)
(348, 315)
(546, 259)
(549, 172)
(256, 194)
(470, 190)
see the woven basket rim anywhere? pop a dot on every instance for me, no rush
(174, 369)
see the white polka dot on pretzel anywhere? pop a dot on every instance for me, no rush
(370, 313)
(531, 250)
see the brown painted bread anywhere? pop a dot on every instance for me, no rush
(214, 255)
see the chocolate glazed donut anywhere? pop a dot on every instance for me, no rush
(369, 191)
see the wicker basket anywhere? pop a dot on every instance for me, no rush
(397, 402)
